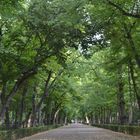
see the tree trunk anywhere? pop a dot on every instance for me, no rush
(132, 44)
(66, 120)
(22, 104)
(130, 96)
(134, 83)
(15, 88)
(7, 119)
(120, 98)
(55, 115)
(25, 122)
(45, 92)
(16, 119)
(33, 115)
(3, 98)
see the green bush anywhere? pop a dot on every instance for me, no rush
(23, 132)
(132, 130)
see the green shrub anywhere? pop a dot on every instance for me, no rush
(132, 130)
(23, 132)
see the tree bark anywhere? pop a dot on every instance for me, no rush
(130, 95)
(7, 119)
(33, 115)
(22, 105)
(125, 13)
(120, 98)
(45, 92)
(134, 83)
(55, 115)
(17, 85)
(3, 98)
(132, 44)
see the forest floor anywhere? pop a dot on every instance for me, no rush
(80, 132)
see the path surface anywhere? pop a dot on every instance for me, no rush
(80, 132)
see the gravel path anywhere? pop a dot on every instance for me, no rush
(80, 132)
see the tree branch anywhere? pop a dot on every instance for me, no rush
(122, 10)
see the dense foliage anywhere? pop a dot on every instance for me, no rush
(65, 59)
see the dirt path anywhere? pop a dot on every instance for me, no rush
(80, 132)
